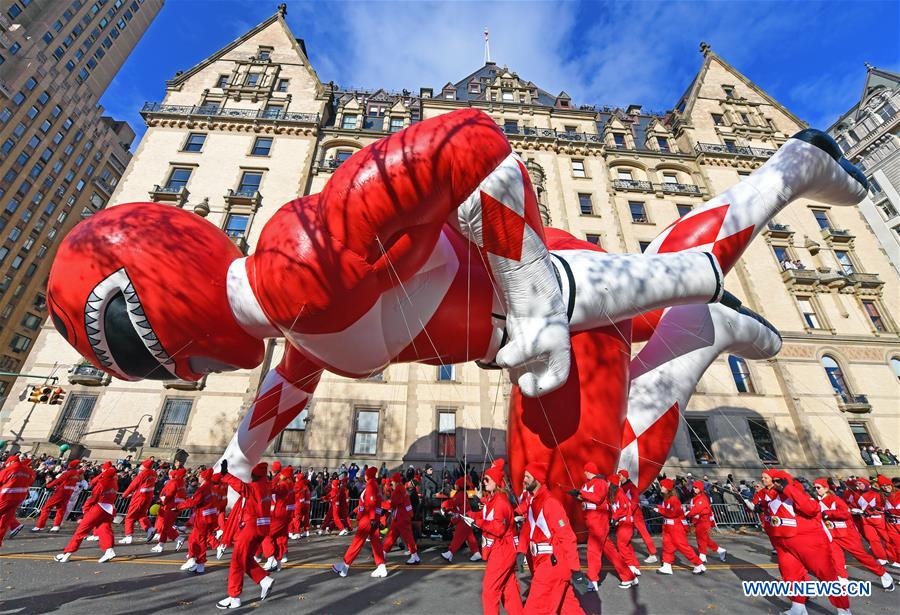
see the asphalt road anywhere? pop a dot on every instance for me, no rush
(139, 582)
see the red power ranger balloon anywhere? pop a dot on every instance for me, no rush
(427, 246)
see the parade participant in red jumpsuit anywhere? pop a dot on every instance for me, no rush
(637, 513)
(891, 512)
(793, 521)
(15, 480)
(99, 510)
(217, 539)
(140, 490)
(344, 506)
(63, 486)
(275, 544)
(253, 526)
(401, 519)
(623, 520)
(333, 516)
(701, 517)
(845, 537)
(300, 524)
(594, 497)
(674, 530)
(205, 506)
(498, 530)
(367, 526)
(554, 551)
(868, 505)
(458, 505)
(171, 495)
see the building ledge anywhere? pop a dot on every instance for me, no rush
(88, 375)
(854, 404)
(835, 235)
(779, 231)
(168, 194)
(243, 197)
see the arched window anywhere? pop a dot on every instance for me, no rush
(895, 365)
(741, 374)
(836, 377)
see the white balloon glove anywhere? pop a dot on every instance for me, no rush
(538, 353)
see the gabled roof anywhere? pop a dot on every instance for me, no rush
(876, 80)
(490, 72)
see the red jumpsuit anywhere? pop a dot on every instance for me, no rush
(792, 519)
(674, 531)
(621, 510)
(171, 495)
(344, 504)
(873, 526)
(498, 529)
(205, 505)
(595, 502)
(401, 521)
(462, 533)
(63, 486)
(253, 526)
(15, 480)
(141, 493)
(892, 517)
(638, 514)
(367, 524)
(333, 517)
(844, 536)
(99, 511)
(220, 500)
(702, 517)
(554, 552)
(300, 524)
(275, 544)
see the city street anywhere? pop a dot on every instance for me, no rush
(138, 581)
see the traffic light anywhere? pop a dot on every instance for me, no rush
(57, 396)
(40, 395)
(120, 435)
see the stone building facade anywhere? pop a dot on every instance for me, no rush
(254, 125)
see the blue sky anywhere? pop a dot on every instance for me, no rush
(808, 55)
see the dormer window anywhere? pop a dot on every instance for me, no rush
(450, 94)
(564, 104)
(508, 96)
(264, 54)
(474, 88)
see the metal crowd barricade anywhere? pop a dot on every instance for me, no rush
(734, 515)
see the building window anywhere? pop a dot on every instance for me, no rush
(446, 443)
(663, 144)
(895, 365)
(396, 124)
(178, 179)
(861, 433)
(701, 443)
(670, 178)
(783, 257)
(624, 174)
(808, 310)
(273, 111)
(348, 122)
(236, 225)
(252, 79)
(262, 146)
(446, 373)
(264, 54)
(222, 81)
(638, 212)
(194, 142)
(250, 181)
(874, 315)
(172, 423)
(684, 210)
(730, 145)
(643, 245)
(586, 204)
(578, 168)
(283, 85)
(20, 343)
(762, 438)
(741, 374)
(836, 378)
(508, 96)
(619, 140)
(718, 119)
(821, 217)
(365, 436)
(292, 438)
(845, 262)
(75, 418)
(729, 91)
(511, 127)
(341, 156)
(592, 238)
(474, 87)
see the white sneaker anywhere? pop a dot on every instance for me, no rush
(157, 549)
(190, 565)
(895, 564)
(627, 584)
(343, 532)
(257, 559)
(447, 556)
(594, 586)
(722, 553)
(413, 559)
(62, 557)
(306, 534)
(125, 541)
(379, 572)
(179, 542)
(703, 557)
(319, 533)
(91, 538)
(220, 551)
(635, 570)
(798, 608)
(200, 569)
(699, 569)
(150, 532)
(283, 560)
(650, 559)
(265, 586)
(219, 534)
(664, 569)
(35, 530)
(229, 603)
(107, 555)
(883, 562)
(340, 568)
(476, 557)
(887, 582)
(293, 536)
(54, 529)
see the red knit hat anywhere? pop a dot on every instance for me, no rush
(371, 472)
(538, 471)
(106, 464)
(883, 480)
(496, 471)
(397, 478)
(668, 483)
(287, 472)
(615, 479)
(73, 463)
(698, 484)
(776, 474)
(822, 482)
(590, 467)
(206, 474)
(260, 469)
(146, 463)
(276, 467)
(624, 474)
(864, 481)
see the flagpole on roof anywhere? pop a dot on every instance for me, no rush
(487, 47)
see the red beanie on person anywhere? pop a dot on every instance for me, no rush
(276, 467)
(74, 463)
(883, 480)
(371, 472)
(668, 483)
(615, 479)
(698, 484)
(397, 478)
(287, 472)
(538, 471)
(590, 467)
(864, 481)
(260, 470)
(624, 474)
(822, 482)
(147, 463)
(496, 471)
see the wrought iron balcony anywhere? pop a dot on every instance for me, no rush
(836, 235)
(551, 133)
(238, 239)
(105, 187)
(779, 231)
(88, 375)
(632, 184)
(243, 196)
(176, 194)
(674, 188)
(856, 404)
(153, 108)
(733, 150)
(328, 165)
